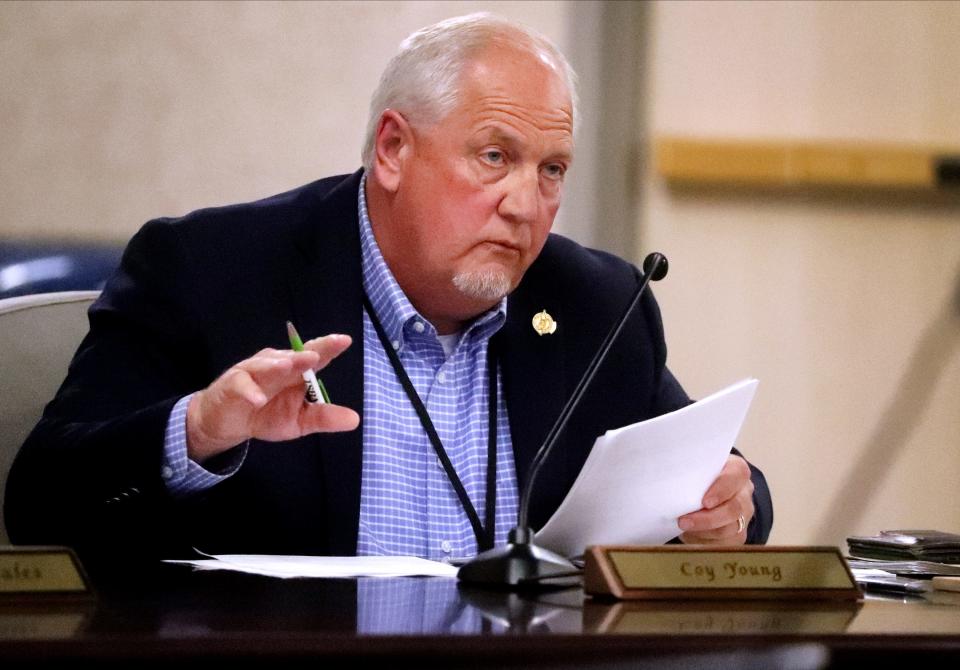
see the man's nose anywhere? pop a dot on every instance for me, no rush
(521, 199)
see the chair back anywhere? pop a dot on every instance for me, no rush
(38, 336)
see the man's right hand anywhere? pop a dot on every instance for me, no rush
(262, 397)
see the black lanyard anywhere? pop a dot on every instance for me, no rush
(484, 533)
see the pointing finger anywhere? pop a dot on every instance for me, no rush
(328, 348)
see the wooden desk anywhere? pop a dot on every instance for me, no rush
(170, 617)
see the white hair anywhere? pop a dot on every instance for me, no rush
(422, 80)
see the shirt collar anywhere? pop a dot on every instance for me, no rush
(395, 311)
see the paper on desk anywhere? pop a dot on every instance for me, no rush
(324, 566)
(639, 479)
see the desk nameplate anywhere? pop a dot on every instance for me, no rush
(703, 572)
(29, 571)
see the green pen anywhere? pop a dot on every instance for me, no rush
(315, 391)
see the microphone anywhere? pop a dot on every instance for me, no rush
(520, 563)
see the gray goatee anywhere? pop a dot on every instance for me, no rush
(488, 286)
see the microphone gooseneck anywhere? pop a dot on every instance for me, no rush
(521, 563)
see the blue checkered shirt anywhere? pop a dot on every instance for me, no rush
(407, 505)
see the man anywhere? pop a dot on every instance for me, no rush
(182, 421)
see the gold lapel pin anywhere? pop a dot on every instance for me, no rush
(544, 324)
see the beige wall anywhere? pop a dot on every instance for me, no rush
(846, 307)
(113, 113)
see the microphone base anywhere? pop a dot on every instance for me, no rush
(517, 566)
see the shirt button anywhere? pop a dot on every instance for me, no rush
(418, 326)
(446, 546)
(166, 472)
(441, 376)
(396, 345)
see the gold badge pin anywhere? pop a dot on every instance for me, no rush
(544, 324)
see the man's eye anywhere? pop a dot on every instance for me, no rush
(493, 156)
(555, 170)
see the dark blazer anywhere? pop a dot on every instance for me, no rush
(195, 295)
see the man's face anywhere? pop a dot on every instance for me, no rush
(478, 191)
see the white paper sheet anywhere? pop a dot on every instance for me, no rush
(639, 479)
(325, 566)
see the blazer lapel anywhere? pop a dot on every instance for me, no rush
(326, 287)
(533, 371)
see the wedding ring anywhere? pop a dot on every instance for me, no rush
(741, 523)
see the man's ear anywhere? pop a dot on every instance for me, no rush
(392, 146)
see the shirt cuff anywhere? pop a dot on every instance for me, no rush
(183, 476)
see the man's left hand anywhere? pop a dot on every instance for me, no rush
(728, 499)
